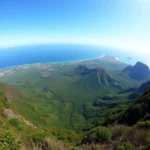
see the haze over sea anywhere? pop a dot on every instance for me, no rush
(57, 53)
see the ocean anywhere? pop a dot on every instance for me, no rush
(57, 53)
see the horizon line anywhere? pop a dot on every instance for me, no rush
(62, 43)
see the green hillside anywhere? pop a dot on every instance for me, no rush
(17, 132)
(69, 95)
(77, 103)
(138, 111)
(135, 112)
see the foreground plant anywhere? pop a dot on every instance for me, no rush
(8, 141)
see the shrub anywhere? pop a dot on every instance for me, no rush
(141, 137)
(137, 136)
(3, 123)
(94, 147)
(119, 131)
(126, 146)
(50, 144)
(99, 134)
(14, 122)
(62, 137)
(143, 124)
(38, 138)
(21, 127)
(67, 136)
(8, 141)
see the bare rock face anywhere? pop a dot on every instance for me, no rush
(10, 114)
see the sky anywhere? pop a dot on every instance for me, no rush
(117, 23)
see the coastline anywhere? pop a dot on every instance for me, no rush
(69, 61)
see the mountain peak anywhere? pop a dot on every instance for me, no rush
(138, 72)
(98, 77)
(84, 70)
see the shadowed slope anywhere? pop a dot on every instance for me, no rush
(95, 78)
(139, 71)
(138, 111)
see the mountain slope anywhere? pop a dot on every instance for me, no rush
(10, 92)
(138, 111)
(143, 87)
(96, 79)
(139, 71)
(68, 95)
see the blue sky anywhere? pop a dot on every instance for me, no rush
(117, 23)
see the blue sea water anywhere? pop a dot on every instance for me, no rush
(54, 53)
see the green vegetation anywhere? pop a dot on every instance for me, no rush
(69, 95)
(14, 122)
(138, 111)
(9, 141)
(126, 146)
(98, 134)
(73, 106)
